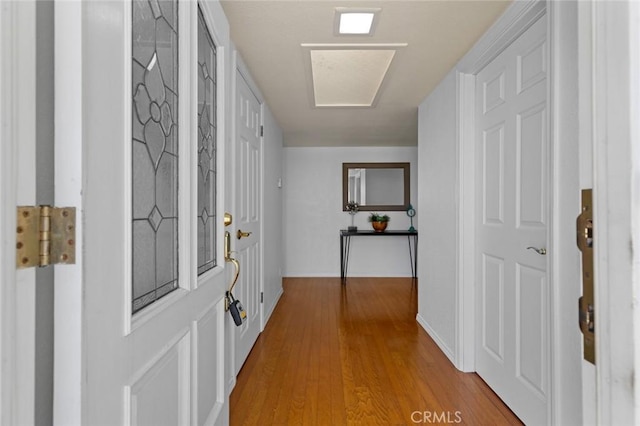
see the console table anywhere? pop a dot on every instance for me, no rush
(345, 246)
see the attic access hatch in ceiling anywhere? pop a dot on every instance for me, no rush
(349, 75)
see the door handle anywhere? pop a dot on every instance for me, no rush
(540, 251)
(241, 234)
(227, 300)
(229, 259)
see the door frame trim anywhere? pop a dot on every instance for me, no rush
(614, 106)
(17, 187)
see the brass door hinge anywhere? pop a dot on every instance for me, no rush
(45, 236)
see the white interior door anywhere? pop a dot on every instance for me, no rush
(248, 162)
(140, 146)
(512, 339)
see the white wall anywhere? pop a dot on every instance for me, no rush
(272, 223)
(313, 214)
(437, 140)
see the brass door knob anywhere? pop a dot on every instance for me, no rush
(241, 234)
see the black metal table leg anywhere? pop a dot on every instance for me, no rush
(344, 256)
(415, 256)
(410, 255)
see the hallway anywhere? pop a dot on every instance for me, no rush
(333, 355)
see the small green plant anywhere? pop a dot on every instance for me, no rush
(376, 217)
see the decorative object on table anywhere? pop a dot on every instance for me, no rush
(352, 207)
(411, 212)
(379, 221)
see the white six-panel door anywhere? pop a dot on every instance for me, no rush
(248, 175)
(512, 336)
(163, 364)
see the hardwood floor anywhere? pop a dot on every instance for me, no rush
(355, 355)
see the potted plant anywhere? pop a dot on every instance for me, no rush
(379, 221)
(353, 208)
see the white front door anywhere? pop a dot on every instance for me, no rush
(248, 180)
(512, 339)
(139, 115)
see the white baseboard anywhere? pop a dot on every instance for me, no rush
(230, 385)
(431, 332)
(269, 312)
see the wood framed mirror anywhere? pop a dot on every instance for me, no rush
(376, 186)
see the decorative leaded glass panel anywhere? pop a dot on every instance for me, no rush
(154, 150)
(206, 148)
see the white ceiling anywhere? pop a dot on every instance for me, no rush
(273, 38)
